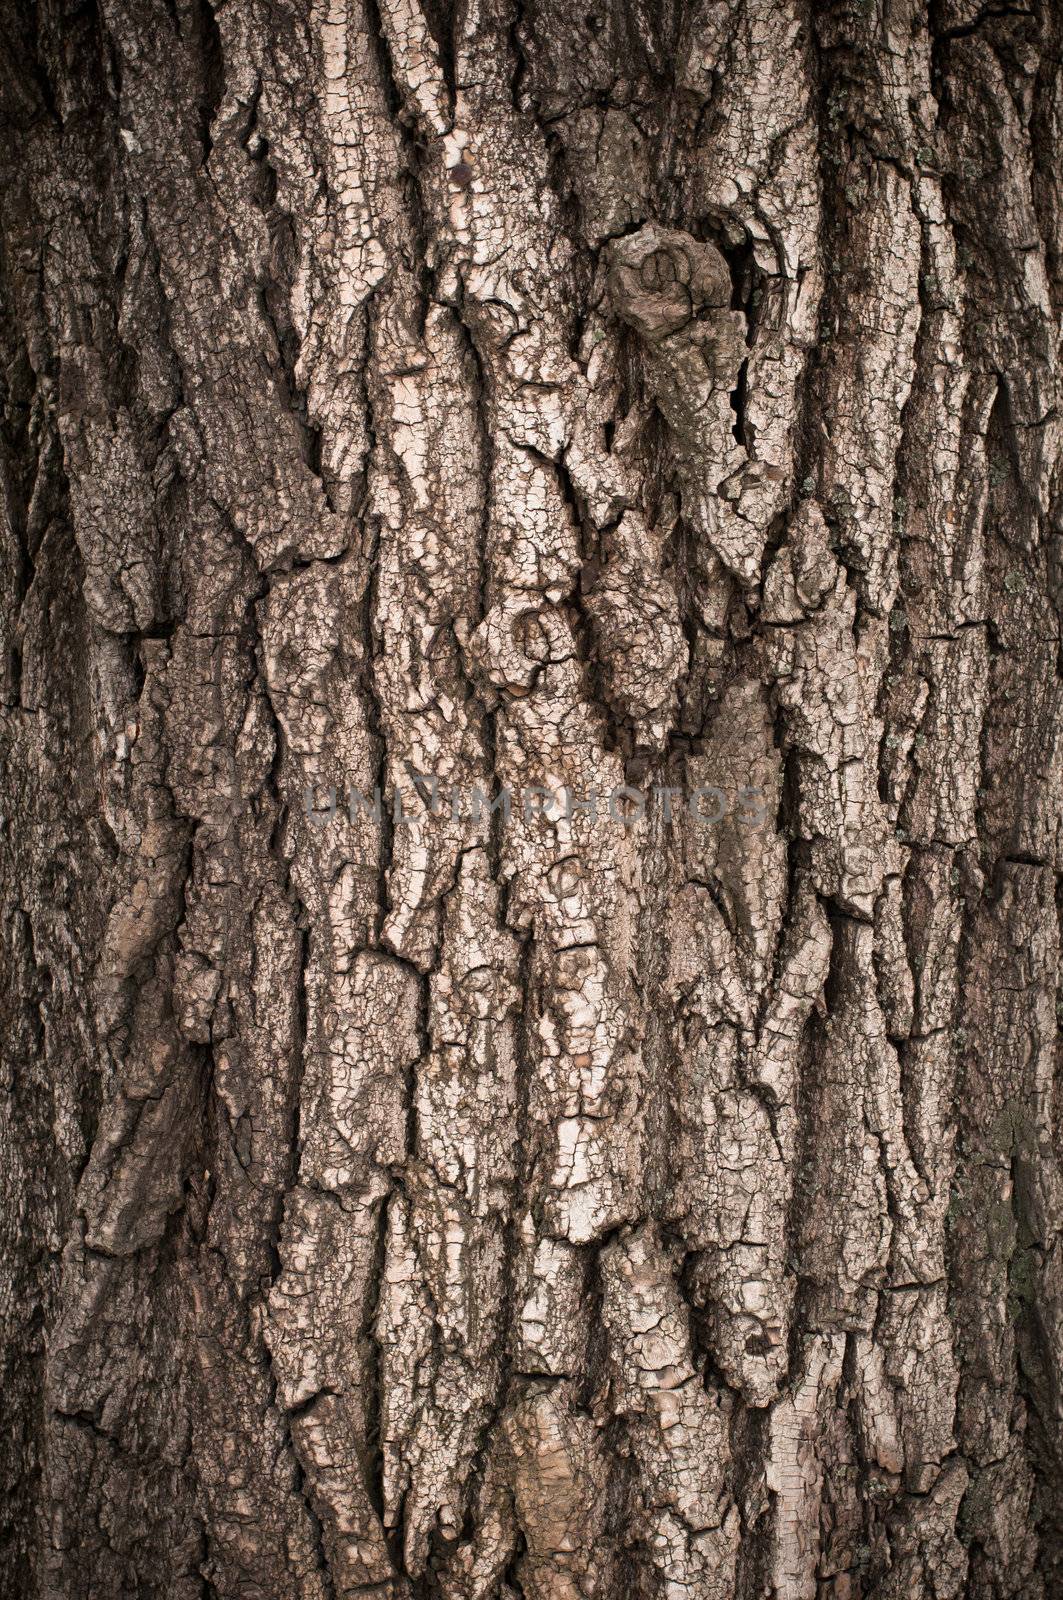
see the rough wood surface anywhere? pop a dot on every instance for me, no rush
(455, 1205)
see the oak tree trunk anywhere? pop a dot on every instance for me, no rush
(407, 410)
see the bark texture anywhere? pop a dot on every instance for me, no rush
(470, 1207)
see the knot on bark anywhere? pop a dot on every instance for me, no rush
(515, 640)
(661, 279)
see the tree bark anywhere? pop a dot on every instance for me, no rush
(406, 411)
